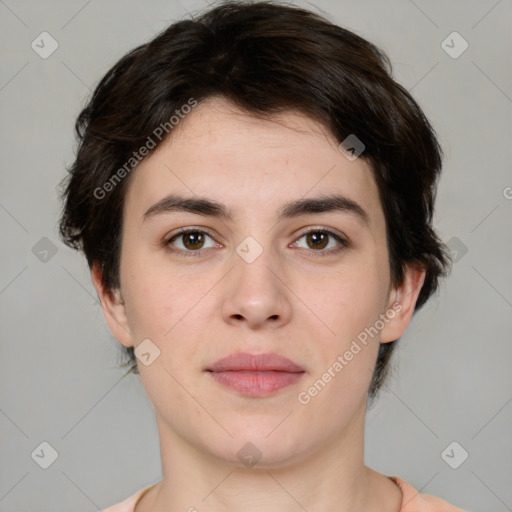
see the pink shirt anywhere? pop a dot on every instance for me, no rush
(412, 500)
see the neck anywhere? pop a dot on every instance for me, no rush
(331, 478)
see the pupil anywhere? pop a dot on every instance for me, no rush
(318, 237)
(193, 240)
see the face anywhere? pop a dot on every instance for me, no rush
(258, 279)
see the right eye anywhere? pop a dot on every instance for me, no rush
(190, 242)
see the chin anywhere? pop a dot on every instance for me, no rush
(258, 446)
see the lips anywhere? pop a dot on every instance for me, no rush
(255, 374)
(255, 363)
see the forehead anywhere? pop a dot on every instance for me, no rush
(249, 163)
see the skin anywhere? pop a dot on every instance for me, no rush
(309, 309)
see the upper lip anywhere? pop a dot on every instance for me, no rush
(267, 362)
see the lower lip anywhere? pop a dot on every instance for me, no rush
(256, 383)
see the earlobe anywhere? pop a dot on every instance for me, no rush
(113, 307)
(402, 301)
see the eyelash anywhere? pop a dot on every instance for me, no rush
(343, 243)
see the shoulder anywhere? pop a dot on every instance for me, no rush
(128, 505)
(413, 501)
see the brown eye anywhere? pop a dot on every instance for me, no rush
(193, 240)
(321, 241)
(317, 239)
(190, 241)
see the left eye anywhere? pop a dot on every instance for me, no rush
(320, 240)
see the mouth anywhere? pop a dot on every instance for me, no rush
(255, 375)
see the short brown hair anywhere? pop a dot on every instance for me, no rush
(266, 58)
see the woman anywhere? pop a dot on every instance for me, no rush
(254, 196)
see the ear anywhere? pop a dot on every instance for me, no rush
(401, 304)
(113, 308)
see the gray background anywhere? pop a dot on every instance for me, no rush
(59, 381)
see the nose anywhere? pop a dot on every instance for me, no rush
(255, 294)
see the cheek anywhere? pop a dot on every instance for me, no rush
(173, 310)
(161, 309)
(157, 296)
(350, 302)
(347, 351)
(150, 309)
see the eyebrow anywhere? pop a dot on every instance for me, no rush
(292, 209)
